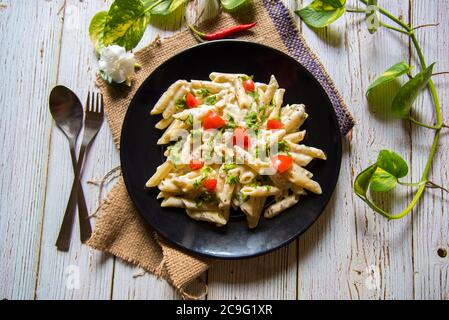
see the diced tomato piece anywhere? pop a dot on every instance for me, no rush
(273, 124)
(248, 85)
(210, 184)
(240, 137)
(213, 121)
(196, 164)
(282, 162)
(191, 101)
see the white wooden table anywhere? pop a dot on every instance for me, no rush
(350, 253)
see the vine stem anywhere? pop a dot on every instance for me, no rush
(439, 119)
(419, 123)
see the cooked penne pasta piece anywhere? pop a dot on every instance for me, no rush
(175, 130)
(269, 93)
(309, 151)
(162, 103)
(295, 137)
(225, 77)
(161, 172)
(301, 159)
(260, 191)
(278, 98)
(293, 117)
(253, 209)
(299, 176)
(164, 123)
(212, 87)
(171, 106)
(243, 99)
(276, 208)
(214, 216)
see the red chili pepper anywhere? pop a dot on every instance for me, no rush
(223, 33)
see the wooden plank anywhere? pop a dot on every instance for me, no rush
(352, 253)
(431, 216)
(76, 71)
(272, 276)
(28, 63)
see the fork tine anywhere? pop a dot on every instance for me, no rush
(97, 105)
(92, 107)
(101, 104)
(88, 101)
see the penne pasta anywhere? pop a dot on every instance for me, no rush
(276, 208)
(236, 147)
(162, 103)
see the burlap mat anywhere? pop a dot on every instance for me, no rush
(120, 230)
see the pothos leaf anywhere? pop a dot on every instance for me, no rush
(392, 163)
(389, 75)
(231, 5)
(382, 181)
(96, 28)
(125, 24)
(165, 7)
(372, 16)
(361, 183)
(406, 96)
(321, 13)
(382, 176)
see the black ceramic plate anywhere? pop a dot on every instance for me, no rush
(140, 155)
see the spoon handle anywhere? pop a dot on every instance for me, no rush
(65, 232)
(63, 241)
(85, 227)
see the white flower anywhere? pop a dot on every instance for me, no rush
(116, 64)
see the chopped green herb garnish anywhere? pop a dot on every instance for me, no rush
(229, 166)
(206, 197)
(254, 94)
(283, 147)
(203, 92)
(231, 179)
(240, 197)
(231, 122)
(211, 100)
(189, 120)
(181, 104)
(204, 173)
(251, 120)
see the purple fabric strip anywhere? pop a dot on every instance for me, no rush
(298, 49)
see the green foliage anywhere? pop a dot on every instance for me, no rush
(404, 99)
(232, 5)
(389, 75)
(321, 13)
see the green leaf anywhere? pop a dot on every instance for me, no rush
(389, 75)
(125, 24)
(406, 96)
(382, 181)
(96, 29)
(321, 13)
(372, 18)
(166, 7)
(362, 181)
(231, 5)
(393, 163)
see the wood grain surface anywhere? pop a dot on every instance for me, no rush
(349, 253)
